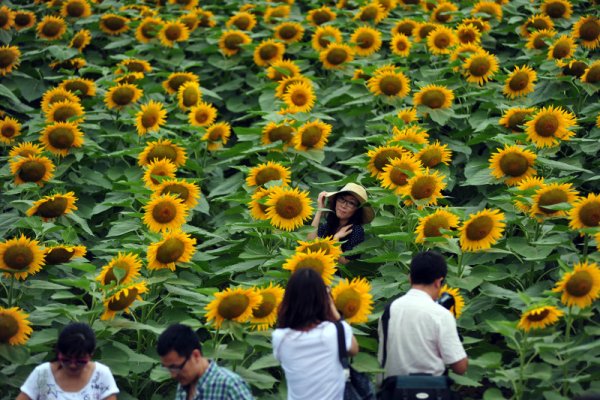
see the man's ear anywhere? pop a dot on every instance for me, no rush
(196, 353)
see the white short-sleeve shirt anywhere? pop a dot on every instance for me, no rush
(41, 385)
(311, 362)
(422, 336)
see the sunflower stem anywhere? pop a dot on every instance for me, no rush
(569, 325)
(10, 290)
(585, 246)
(460, 265)
(522, 349)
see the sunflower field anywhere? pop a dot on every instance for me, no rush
(161, 161)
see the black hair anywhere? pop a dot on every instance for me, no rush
(180, 338)
(305, 302)
(333, 222)
(426, 267)
(76, 340)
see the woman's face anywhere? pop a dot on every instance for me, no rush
(346, 205)
(74, 365)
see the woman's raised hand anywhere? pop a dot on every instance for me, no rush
(343, 232)
(321, 199)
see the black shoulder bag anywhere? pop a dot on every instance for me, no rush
(358, 385)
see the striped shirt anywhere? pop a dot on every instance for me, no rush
(217, 383)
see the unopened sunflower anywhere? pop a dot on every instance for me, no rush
(163, 168)
(434, 154)
(431, 226)
(60, 137)
(515, 117)
(520, 82)
(299, 97)
(79, 86)
(312, 135)
(400, 45)
(550, 125)
(324, 36)
(353, 299)
(203, 114)
(482, 230)
(122, 299)
(424, 188)
(552, 194)
(267, 52)
(232, 304)
(381, 156)
(557, 9)
(480, 67)
(585, 212)
(539, 318)
(184, 190)
(53, 206)
(398, 171)
(175, 247)
(231, 42)
(336, 56)
(148, 29)
(267, 172)
(288, 208)
(165, 212)
(10, 128)
(282, 69)
(440, 40)
(318, 261)
(16, 328)
(113, 24)
(581, 286)
(33, 168)
(217, 135)
(434, 96)
(330, 246)
(60, 254)
(512, 164)
(242, 20)
(120, 270)
(162, 149)
(51, 28)
(75, 9)
(387, 81)
(21, 257)
(265, 315)
(366, 41)
(176, 79)
(289, 32)
(122, 95)
(587, 30)
(23, 19)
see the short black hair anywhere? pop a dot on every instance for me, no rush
(426, 267)
(178, 337)
(76, 340)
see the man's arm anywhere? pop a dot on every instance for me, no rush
(460, 367)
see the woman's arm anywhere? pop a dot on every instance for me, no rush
(317, 219)
(111, 397)
(353, 347)
(23, 396)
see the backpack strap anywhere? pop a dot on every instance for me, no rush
(385, 322)
(342, 352)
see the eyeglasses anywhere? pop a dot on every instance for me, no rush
(348, 203)
(175, 369)
(69, 360)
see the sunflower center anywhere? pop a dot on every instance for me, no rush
(593, 75)
(514, 164)
(77, 86)
(201, 116)
(176, 81)
(430, 158)
(551, 197)
(423, 188)
(162, 151)
(18, 257)
(405, 28)
(52, 208)
(479, 66)
(32, 171)
(181, 191)
(517, 119)
(589, 214)
(110, 274)
(242, 22)
(267, 174)
(576, 68)
(369, 13)
(61, 138)
(321, 16)
(149, 30)
(269, 302)
(159, 171)
(546, 125)
(480, 228)
(401, 45)
(441, 41)
(312, 263)
(191, 97)
(589, 30)
(580, 284)
(384, 157)
(215, 134)
(20, 20)
(170, 251)
(324, 40)
(51, 29)
(540, 24)
(63, 113)
(75, 9)
(519, 81)
(164, 212)
(7, 58)
(561, 50)
(365, 40)
(466, 36)
(433, 98)
(134, 66)
(348, 302)
(123, 96)
(233, 41)
(434, 224)
(114, 23)
(233, 306)
(390, 85)
(173, 32)
(78, 41)
(287, 32)
(337, 56)
(311, 136)
(58, 255)
(538, 316)
(398, 176)
(9, 327)
(424, 31)
(556, 9)
(123, 301)
(318, 247)
(299, 98)
(540, 43)
(149, 119)
(289, 207)
(268, 52)
(443, 14)
(8, 131)
(283, 133)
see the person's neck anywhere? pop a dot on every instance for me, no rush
(431, 290)
(344, 222)
(202, 368)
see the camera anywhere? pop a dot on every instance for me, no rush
(446, 300)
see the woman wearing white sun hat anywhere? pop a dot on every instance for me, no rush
(348, 211)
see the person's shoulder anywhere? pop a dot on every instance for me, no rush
(103, 368)
(46, 366)
(228, 377)
(279, 333)
(358, 228)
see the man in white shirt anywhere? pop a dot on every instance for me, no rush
(422, 336)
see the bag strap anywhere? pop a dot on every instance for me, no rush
(342, 352)
(385, 322)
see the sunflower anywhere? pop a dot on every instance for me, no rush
(203, 114)
(6, 18)
(480, 67)
(563, 48)
(56, 255)
(267, 172)
(129, 77)
(148, 29)
(258, 208)
(23, 19)
(396, 174)
(404, 27)
(320, 16)
(273, 14)
(16, 328)
(288, 208)
(185, 4)
(324, 36)
(388, 5)
(487, 10)
(581, 286)
(10, 128)
(242, 20)
(459, 301)
(366, 40)
(468, 33)
(482, 230)
(312, 135)
(189, 95)
(408, 115)
(176, 79)
(133, 65)
(75, 9)
(434, 154)
(150, 118)
(360, 74)
(231, 41)
(440, 40)
(550, 195)
(217, 135)
(574, 68)
(36, 169)
(424, 188)
(122, 95)
(282, 69)
(265, 315)
(557, 9)
(205, 18)
(550, 125)
(113, 24)
(430, 225)
(26, 149)
(410, 134)
(184, 190)
(162, 149)
(422, 30)
(335, 56)
(434, 96)
(330, 246)
(122, 269)
(592, 73)
(387, 82)
(274, 132)
(381, 156)
(299, 97)
(585, 212)
(232, 304)
(588, 30)
(520, 82)
(72, 64)
(372, 12)
(190, 20)
(400, 45)
(443, 12)
(289, 32)
(51, 28)
(175, 247)
(53, 206)
(267, 52)
(165, 212)
(514, 117)
(79, 86)
(353, 299)
(60, 137)
(536, 23)
(481, 25)
(81, 40)
(21, 256)
(122, 299)
(512, 164)
(10, 58)
(539, 318)
(173, 31)
(318, 261)
(538, 39)
(158, 168)
(462, 52)
(526, 186)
